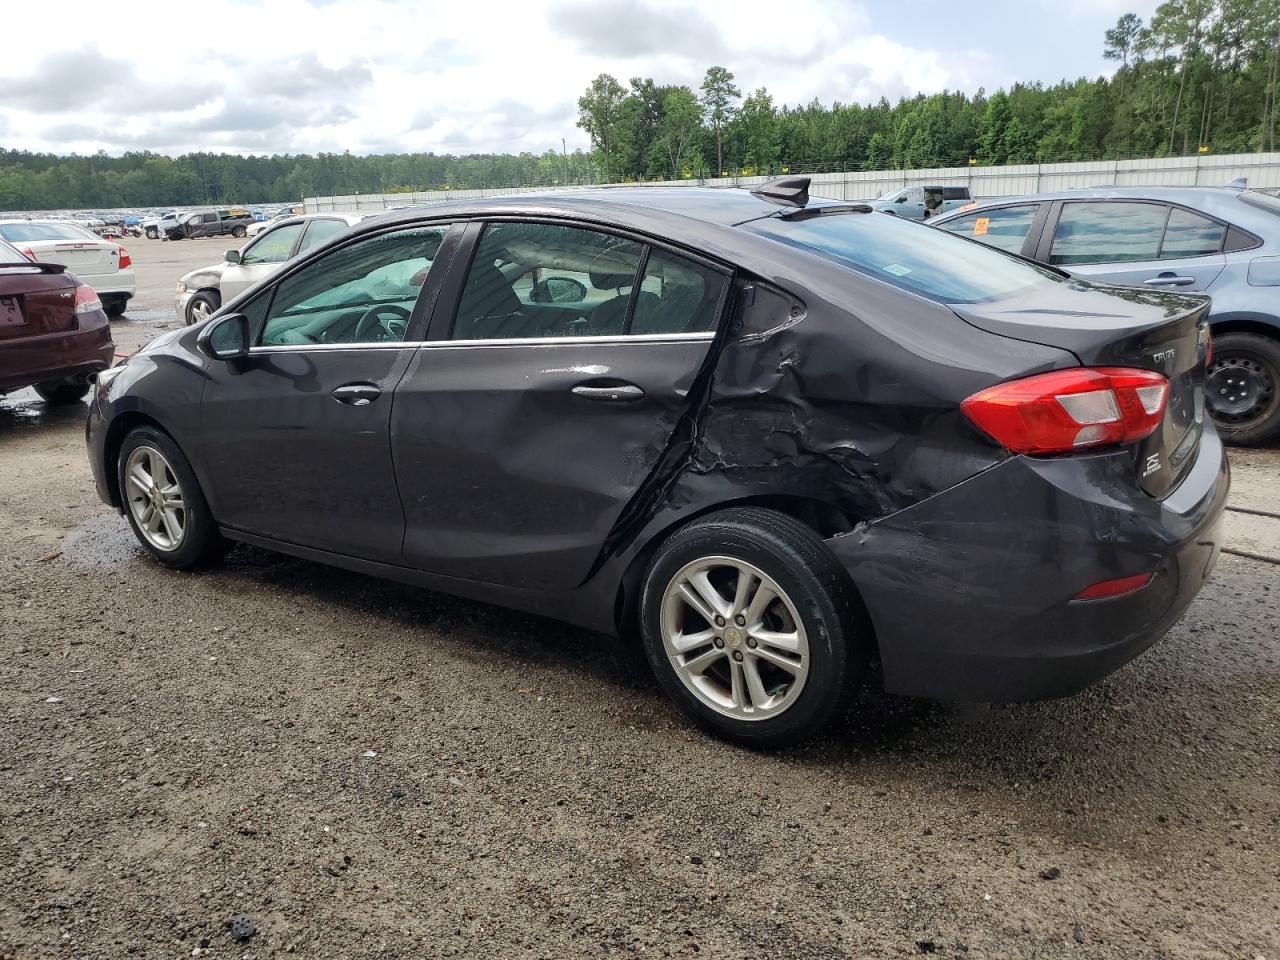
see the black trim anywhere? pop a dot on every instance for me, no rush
(634, 295)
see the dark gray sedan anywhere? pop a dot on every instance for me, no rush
(1224, 241)
(775, 438)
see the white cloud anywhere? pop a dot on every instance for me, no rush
(378, 75)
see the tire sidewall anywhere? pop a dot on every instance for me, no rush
(1262, 349)
(201, 297)
(829, 656)
(201, 530)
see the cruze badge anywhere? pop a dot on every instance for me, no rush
(1164, 355)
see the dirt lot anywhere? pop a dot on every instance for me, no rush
(369, 770)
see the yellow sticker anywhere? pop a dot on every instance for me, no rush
(980, 226)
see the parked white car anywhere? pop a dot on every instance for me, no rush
(275, 218)
(103, 264)
(203, 291)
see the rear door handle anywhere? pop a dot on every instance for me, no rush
(357, 394)
(1169, 280)
(617, 393)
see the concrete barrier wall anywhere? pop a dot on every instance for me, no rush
(1262, 170)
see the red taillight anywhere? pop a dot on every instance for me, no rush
(1114, 588)
(28, 253)
(125, 259)
(1071, 409)
(86, 299)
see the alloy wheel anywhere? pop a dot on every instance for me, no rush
(734, 638)
(200, 311)
(155, 498)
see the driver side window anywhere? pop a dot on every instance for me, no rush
(361, 293)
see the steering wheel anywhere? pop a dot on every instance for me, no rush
(392, 328)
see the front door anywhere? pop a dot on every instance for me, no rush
(259, 259)
(1139, 243)
(296, 437)
(522, 432)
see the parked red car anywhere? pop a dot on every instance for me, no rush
(53, 333)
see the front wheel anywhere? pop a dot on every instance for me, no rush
(62, 391)
(749, 624)
(1242, 388)
(202, 306)
(153, 233)
(164, 503)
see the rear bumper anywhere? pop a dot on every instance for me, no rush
(122, 283)
(970, 591)
(58, 356)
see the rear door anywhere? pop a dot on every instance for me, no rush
(259, 259)
(296, 436)
(523, 428)
(1015, 228)
(1136, 242)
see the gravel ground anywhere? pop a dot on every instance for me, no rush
(370, 770)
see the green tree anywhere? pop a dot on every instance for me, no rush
(760, 125)
(719, 106)
(599, 113)
(681, 114)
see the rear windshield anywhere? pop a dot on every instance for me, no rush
(1263, 201)
(915, 257)
(28, 232)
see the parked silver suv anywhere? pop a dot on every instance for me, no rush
(1224, 241)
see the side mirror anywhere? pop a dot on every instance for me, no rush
(226, 338)
(558, 290)
(232, 256)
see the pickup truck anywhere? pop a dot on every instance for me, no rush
(206, 223)
(922, 203)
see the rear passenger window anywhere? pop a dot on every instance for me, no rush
(1108, 232)
(677, 296)
(1191, 235)
(320, 230)
(1005, 228)
(546, 280)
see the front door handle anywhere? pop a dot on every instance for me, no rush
(357, 394)
(614, 393)
(1169, 280)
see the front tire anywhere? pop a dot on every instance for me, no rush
(1242, 387)
(749, 624)
(164, 503)
(201, 306)
(62, 391)
(153, 233)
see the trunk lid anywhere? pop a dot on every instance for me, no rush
(88, 258)
(1107, 325)
(35, 300)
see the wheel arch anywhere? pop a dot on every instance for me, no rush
(824, 519)
(1258, 324)
(116, 432)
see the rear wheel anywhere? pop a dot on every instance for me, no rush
(238, 232)
(747, 621)
(62, 391)
(1242, 387)
(202, 305)
(114, 307)
(153, 233)
(164, 503)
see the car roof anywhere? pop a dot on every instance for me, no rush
(1222, 202)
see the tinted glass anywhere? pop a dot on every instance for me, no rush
(31, 231)
(677, 296)
(507, 295)
(909, 255)
(318, 231)
(1005, 228)
(1108, 232)
(955, 193)
(1191, 235)
(273, 246)
(361, 293)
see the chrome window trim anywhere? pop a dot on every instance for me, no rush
(705, 337)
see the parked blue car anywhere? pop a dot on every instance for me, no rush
(1224, 241)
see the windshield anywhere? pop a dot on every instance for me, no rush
(32, 231)
(892, 194)
(909, 255)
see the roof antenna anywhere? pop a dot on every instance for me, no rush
(1239, 183)
(784, 191)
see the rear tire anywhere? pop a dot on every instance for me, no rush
(238, 232)
(764, 672)
(1243, 388)
(153, 233)
(179, 530)
(62, 391)
(115, 307)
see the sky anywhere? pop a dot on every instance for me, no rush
(379, 76)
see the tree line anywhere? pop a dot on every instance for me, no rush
(1201, 76)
